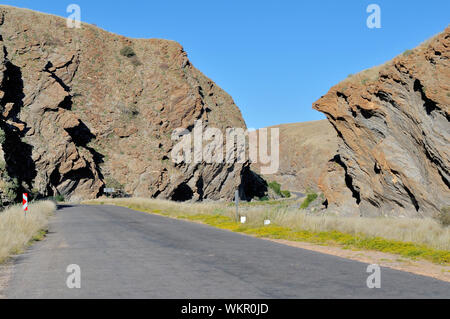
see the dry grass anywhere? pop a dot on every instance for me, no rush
(426, 232)
(420, 231)
(18, 230)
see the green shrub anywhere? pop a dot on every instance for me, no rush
(59, 198)
(276, 188)
(127, 52)
(286, 194)
(2, 136)
(112, 183)
(264, 199)
(407, 52)
(309, 199)
(444, 216)
(11, 189)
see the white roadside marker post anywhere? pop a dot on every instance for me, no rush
(236, 198)
(25, 202)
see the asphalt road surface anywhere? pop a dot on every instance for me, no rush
(128, 254)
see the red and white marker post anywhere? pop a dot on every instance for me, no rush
(25, 202)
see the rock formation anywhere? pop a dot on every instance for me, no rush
(82, 108)
(305, 149)
(394, 136)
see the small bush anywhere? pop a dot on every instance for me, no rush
(309, 199)
(264, 199)
(286, 194)
(276, 188)
(127, 52)
(112, 183)
(59, 198)
(11, 189)
(407, 52)
(130, 111)
(2, 136)
(444, 216)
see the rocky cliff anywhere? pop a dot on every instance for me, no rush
(394, 136)
(81, 108)
(305, 149)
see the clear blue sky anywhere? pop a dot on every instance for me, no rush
(274, 57)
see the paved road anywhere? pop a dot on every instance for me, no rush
(127, 254)
(298, 194)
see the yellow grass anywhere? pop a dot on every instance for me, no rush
(18, 230)
(426, 233)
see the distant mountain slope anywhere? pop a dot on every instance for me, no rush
(305, 149)
(394, 136)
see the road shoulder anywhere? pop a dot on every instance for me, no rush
(6, 270)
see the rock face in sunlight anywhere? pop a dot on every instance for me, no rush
(394, 136)
(81, 108)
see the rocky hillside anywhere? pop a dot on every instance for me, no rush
(394, 136)
(84, 108)
(305, 149)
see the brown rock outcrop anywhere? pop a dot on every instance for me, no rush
(78, 111)
(394, 136)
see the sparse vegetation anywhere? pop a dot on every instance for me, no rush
(2, 136)
(129, 112)
(286, 194)
(59, 198)
(10, 188)
(52, 41)
(110, 182)
(444, 216)
(311, 197)
(413, 238)
(276, 187)
(127, 52)
(408, 52)
(18, 230)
